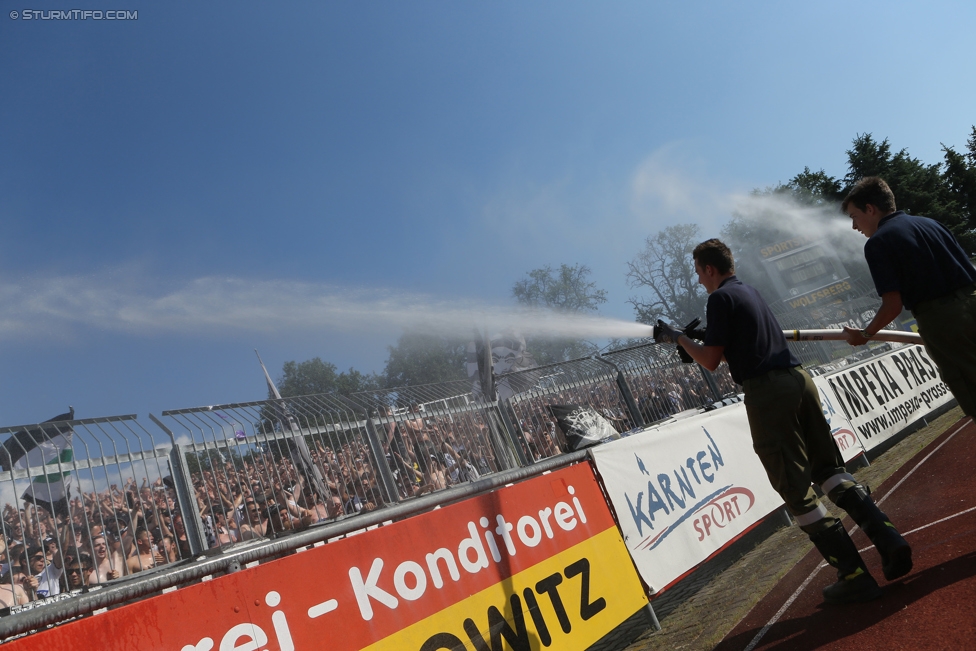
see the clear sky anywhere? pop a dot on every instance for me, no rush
(219, 176)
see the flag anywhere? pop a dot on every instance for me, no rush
(45, 445)
(508, 355)
(298, 450)
(239, 433)
(489, 358)
(580, 427)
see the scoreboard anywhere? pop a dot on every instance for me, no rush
(798, 267)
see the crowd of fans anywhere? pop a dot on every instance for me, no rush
(657, 396)
(268, 490)
(249, 490)
(93, 538)
(682, 387)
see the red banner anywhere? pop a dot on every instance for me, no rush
(536, 564)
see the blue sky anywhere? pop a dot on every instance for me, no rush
(215, 177)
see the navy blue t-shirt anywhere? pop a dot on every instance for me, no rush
(740, 320)
(918, 257)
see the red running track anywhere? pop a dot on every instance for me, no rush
(932, 501)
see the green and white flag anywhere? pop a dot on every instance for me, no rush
(48, 444)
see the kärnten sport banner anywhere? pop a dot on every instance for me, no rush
(538, 564)
(684, 491)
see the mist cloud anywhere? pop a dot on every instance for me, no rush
(781, 212)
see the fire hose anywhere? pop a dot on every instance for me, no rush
(832, 334)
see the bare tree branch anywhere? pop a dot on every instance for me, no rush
(666, 271)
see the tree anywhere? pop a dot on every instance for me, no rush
(425, 358)
(315, 376)
(960, 180)
(919, 189)
(666, 270)
(813, 188)
(567, 290)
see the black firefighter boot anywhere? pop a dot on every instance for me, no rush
(855, 584)
(896, 555)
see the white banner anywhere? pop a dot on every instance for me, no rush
(884, 395)
(684, 491)
(847, 441)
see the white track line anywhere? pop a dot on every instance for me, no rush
(919, 464)
(806, 582)
(779, 613)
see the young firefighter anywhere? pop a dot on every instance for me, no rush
(917, 263)
(789, 432)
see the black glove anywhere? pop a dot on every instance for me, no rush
(692, 331)
(665, 334)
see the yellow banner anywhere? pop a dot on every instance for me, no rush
(567, 602)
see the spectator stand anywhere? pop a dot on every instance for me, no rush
(78, 491)
(220, 486)
(662, 385)
(584, 382)
(311, 459)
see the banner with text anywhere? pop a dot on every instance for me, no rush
(847, 441)
(884, 395)
(533, 565)
(685, 491)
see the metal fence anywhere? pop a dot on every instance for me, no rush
(662, 385)
(263, 468)
(144, 506)
(82, 494)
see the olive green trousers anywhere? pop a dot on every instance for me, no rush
(793, 441)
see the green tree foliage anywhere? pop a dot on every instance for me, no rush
(665, 271)
(567, 290)
(919, 189)
(960, 181)
(813, 188)
(425, 358)
(315, 376)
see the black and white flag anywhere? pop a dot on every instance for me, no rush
(48, 444)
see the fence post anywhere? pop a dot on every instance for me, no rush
(518, 459)
(710, 381)
(185, 494)
(390, 492)
(635, 416)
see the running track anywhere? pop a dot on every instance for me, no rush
(932, 500)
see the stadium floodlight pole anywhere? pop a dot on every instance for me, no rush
(833, 334)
